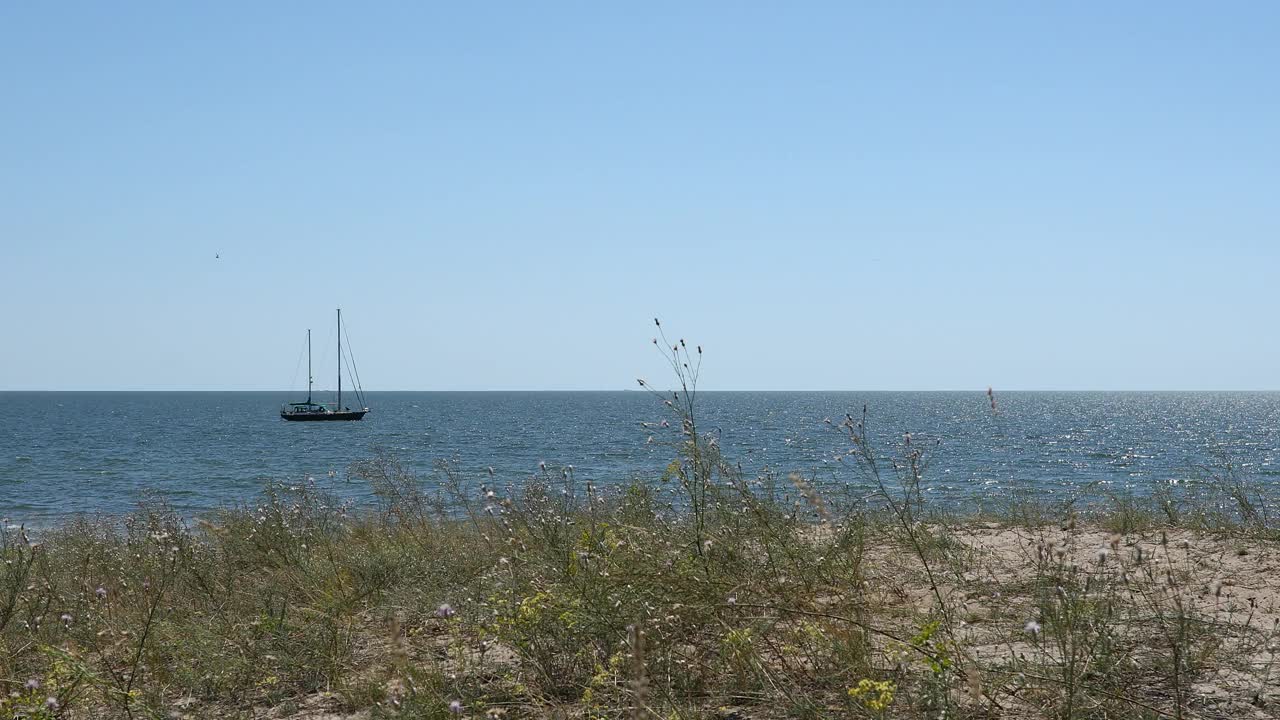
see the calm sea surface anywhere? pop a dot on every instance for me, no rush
(64, 453)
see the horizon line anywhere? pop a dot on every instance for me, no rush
(649, 391)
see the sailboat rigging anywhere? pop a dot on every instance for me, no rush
(310, 410)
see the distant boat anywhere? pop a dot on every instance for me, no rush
(320, 411)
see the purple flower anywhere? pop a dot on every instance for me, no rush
(66, 620)
(51, 703)
(445, 611)
(32, 684)
(455, 707)
(101, 592)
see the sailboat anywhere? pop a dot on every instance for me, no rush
(310, 410)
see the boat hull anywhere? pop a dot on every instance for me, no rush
(326, 416)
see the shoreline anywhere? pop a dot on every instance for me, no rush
(756, 598)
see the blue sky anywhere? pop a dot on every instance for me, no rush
(503, 195)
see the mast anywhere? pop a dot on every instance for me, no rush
(339, 359)
(308, 366)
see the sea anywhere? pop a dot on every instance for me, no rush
(65, 453)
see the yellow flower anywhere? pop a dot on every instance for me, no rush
(877, 695)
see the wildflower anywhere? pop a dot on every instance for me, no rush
(101, 592)
(876, 695)
(32, 684)
(1033, 628)
(66, 620)
(1102, 555)
(455, 707)
(732, 600)
(51, 703)
(445, 611)
(542, 465)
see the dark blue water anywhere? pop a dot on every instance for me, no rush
(62, 453)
